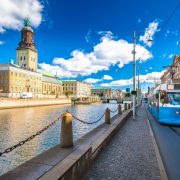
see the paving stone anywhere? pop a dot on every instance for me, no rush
(130, 154)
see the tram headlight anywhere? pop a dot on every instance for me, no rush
(177, 112)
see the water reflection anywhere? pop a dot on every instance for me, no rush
(18, 124)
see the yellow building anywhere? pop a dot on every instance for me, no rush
(76, 88)
(24, 76)
(51, 85)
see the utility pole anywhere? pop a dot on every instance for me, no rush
(138, 90)
(134, 74)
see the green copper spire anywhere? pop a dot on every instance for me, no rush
(27, 22)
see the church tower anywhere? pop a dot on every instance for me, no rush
(26, 52)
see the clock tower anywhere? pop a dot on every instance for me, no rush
(26, 52)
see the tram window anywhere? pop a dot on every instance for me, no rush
(157, 96)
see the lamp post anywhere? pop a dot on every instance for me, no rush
(138, 90)
(134, 74)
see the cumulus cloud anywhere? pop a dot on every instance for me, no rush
(92, 81)
(149, 33)
(13, 13)
(170, 56)
(106, 53)
(150, 77)
(107, 77)
(2, 42)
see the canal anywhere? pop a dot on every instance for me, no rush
(18, 124)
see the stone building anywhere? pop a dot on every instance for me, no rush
(172, 75)
(102, 92)
(15, 80)
(76, 88)
(25, 76)
(51, 85)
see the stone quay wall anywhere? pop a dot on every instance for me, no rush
(19, 103)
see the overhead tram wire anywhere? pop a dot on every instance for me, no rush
(165, 23)
(170, 16)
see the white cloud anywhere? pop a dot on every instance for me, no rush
(106, 53)
(13, 13)
(150, 77)
(170, 56)
(107, 77)
(88, 36)
(149, 32)
(139, 20)
(2, 42)
(92, 81)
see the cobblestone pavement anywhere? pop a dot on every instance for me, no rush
(130, 154)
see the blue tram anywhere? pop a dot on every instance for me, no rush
(164, 103)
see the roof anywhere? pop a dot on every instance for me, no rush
(45, 73)
(48, 77)
(72, 80)
(99, 88)
(51, 80)
(27, 25)
(69, 80)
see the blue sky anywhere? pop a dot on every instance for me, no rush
(92, 40)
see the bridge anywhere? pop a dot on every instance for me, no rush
(120, 148)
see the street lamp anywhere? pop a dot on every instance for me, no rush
(134, 70)
(134, 74)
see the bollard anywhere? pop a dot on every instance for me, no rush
(119, 109)
(125, 106)
(66, 131)
(107, 116)
(129, 106)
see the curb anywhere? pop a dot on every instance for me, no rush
(158, 156)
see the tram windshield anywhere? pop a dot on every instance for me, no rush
(174, 98)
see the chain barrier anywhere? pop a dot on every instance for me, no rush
(8, 150)
(88, 122)
(114, 110)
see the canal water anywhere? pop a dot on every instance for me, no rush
(18, 124)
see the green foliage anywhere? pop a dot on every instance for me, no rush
(68, 93)
(127, 95)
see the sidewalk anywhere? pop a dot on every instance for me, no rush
(130, 154)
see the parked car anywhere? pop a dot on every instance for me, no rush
(26, 95)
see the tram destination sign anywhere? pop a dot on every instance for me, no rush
(170, 86)
(173, 86)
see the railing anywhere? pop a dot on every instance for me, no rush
(66, 127)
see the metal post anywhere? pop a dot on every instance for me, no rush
(125, 106)
(119, 109)
(159, 100)
(66, 130)
(138, 92)
(107, 116)
(134, 74)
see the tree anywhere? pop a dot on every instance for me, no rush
(68, 93)
(127, 95)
